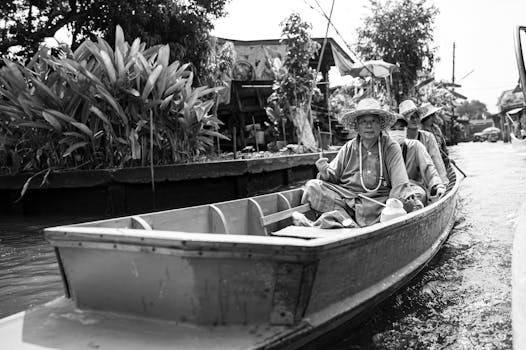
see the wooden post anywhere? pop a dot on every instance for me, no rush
(255, 131)
(234, 141)
(283, 129)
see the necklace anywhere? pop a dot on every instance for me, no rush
(381, 167)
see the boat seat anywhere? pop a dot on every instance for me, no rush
(306, 232)
(139, 223)
(282, 215)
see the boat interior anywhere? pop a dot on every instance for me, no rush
(265, 215)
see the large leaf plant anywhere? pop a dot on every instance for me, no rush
(102, 107)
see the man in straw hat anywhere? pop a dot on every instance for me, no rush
(424, 178)
(412, 114)
(428, 121)
(370, 165)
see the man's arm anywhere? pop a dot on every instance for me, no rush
(427, 168)
(434, 152)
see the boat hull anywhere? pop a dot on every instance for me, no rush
(277, 292)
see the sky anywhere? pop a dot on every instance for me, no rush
(482, 31)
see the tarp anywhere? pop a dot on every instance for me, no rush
(515, 110)
(342, 62)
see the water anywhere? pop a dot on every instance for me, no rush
(29, 273)
(462, 300)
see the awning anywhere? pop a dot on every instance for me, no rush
(341, 61)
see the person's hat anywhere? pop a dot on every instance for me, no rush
(368, 106)
(398, 117)
(427, 110)
(406, 107)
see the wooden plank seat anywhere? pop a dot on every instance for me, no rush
(282, 215)
(310, 232)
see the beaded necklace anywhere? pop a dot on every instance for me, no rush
(381, 167)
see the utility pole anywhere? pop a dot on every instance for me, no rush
(453, 77)
(451, 129)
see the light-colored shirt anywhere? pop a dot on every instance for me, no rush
(420, 166)
(431, 145)
(346, 175)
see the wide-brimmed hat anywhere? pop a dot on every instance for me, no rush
(427, 110)
(368, 106)
(406, 107)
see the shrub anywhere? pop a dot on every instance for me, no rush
(102, 107)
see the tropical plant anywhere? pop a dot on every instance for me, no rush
(295, 81)
(400, 32)
(103, 107)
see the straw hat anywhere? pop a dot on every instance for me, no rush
(406, 107)
(427, 109)
(368, 106)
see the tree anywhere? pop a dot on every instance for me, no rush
(185, 25)
(294, 83)
(474, 109)
(400, 32)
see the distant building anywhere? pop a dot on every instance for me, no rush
(252, 80)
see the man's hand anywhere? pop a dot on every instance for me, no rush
(437, 191)
(323, 167)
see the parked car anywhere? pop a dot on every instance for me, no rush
(493, 137)
(479, 137)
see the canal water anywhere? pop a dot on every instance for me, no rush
(462, 300)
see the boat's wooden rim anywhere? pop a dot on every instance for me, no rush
(66, 235)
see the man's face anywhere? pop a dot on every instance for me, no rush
(413, 119)
(368, 126)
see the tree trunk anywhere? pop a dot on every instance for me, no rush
(300, 119)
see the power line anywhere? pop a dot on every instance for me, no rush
(322, 12)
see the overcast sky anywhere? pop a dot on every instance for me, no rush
(482, 31)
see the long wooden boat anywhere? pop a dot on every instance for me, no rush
(232, 275)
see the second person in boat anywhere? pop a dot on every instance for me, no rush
(370, 165)
(413, 114)
(424, 177)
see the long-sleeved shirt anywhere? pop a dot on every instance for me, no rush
(441, 141)
(431, 145)
(345, 169)
(420, 166)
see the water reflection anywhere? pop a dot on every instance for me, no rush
(29, 273)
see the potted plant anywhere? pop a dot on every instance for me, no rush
(295, 81)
